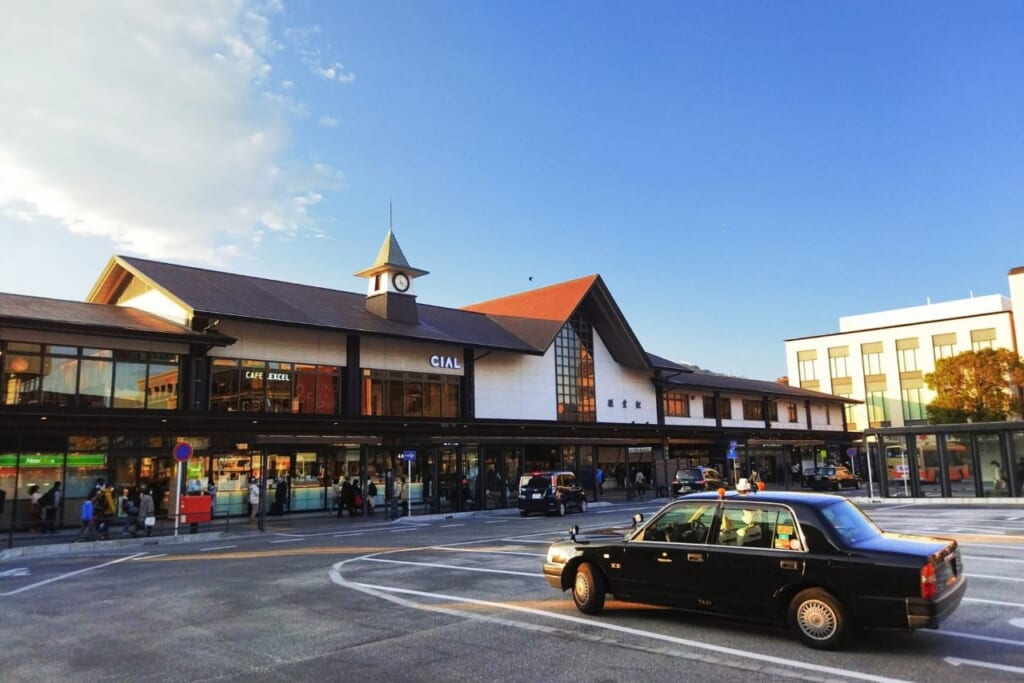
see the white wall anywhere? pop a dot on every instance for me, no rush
(616, 383)
(259, 341)
(515, 386)
(411, 356)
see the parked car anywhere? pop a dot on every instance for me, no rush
(696, 479)
(813, 561)
(833, 478)
(550, 492)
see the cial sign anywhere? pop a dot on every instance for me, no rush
(446, 362)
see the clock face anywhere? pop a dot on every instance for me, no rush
(401, 281)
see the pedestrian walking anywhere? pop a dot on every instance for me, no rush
(50, 502)
(35, 511)
(641, 484)
(147, 510)
(211, 491)
(88, 529)
(371, 497)
(254, 498)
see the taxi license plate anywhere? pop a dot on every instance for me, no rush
(537, 496)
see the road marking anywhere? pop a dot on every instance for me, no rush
(17, 571)
(217, 547)
(995, 578)
(995, 602)
(61, 577)
(987, 558)
(399, 531)
(974, 636)
(148, 557)
(496, 521)
(1019, 623)
(438, 565)
(288, 540)
(449, 526)
(484, 551)
(956, 661)
(761, 658)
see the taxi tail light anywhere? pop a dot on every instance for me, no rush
(929, 585)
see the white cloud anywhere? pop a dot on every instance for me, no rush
(329, 121)
(151, 124)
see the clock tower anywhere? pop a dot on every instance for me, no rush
(389, 291)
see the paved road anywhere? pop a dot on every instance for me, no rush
(454, 600)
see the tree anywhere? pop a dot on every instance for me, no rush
(976, 386)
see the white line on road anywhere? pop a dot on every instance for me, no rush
(61, 577)
(217, 547)
(289, 540)
(481, 551)
(496, 521)
(995, 602)
(956, 661)
(975, 636)
(438, 565)
(761, 658)
(449, 526)
(995, 578)
(988, 558)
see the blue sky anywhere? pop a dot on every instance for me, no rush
(738, 173)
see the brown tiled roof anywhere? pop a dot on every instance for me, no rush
(35, 312)
(555, 302)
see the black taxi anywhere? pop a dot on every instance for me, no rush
(813, 561)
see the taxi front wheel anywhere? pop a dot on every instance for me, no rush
(818, 619)
(588, 589)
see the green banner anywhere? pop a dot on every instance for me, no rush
(32, 460)
(87, 459)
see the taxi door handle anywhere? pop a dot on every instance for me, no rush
(788, 564)
(695, 557)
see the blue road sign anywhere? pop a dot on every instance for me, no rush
(182, 451)
(408, 455)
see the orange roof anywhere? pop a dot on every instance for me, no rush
(556, 302)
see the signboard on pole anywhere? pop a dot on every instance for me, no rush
(408, 456)
(182, 451)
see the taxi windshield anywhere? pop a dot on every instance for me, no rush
(849, 522)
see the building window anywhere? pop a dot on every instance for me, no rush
(983, 339)
(753, 410)
(850, 410)
(676, 404)
(838, 367)
(259, 386)
(871, 358)
(877, 409)
(390, 393)
(71, 376)
(907, 359)
(724, 411)
(944, 345)
(806, 370)
(791, 415)
(574, 372)
(913, 405)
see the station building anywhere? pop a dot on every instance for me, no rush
(294, 386)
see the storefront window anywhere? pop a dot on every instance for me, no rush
(409, 394)
(993, 463)
(258, 386)
(130, 379)
(962, 472)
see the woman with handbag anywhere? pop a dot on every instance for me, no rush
(147, 510)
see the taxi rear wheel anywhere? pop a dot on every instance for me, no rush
(818, 619)
(561, 508)
(583, 505)
(588, 589)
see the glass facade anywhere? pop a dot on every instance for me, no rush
(81, 377)
(574, 372)
(259, 386)
(390, 393)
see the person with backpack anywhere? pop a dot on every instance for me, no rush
(103, 509)
(50, 502)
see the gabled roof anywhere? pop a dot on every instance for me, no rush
(538, 315)
(681, 376)
(39, 313)
(214, 294)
